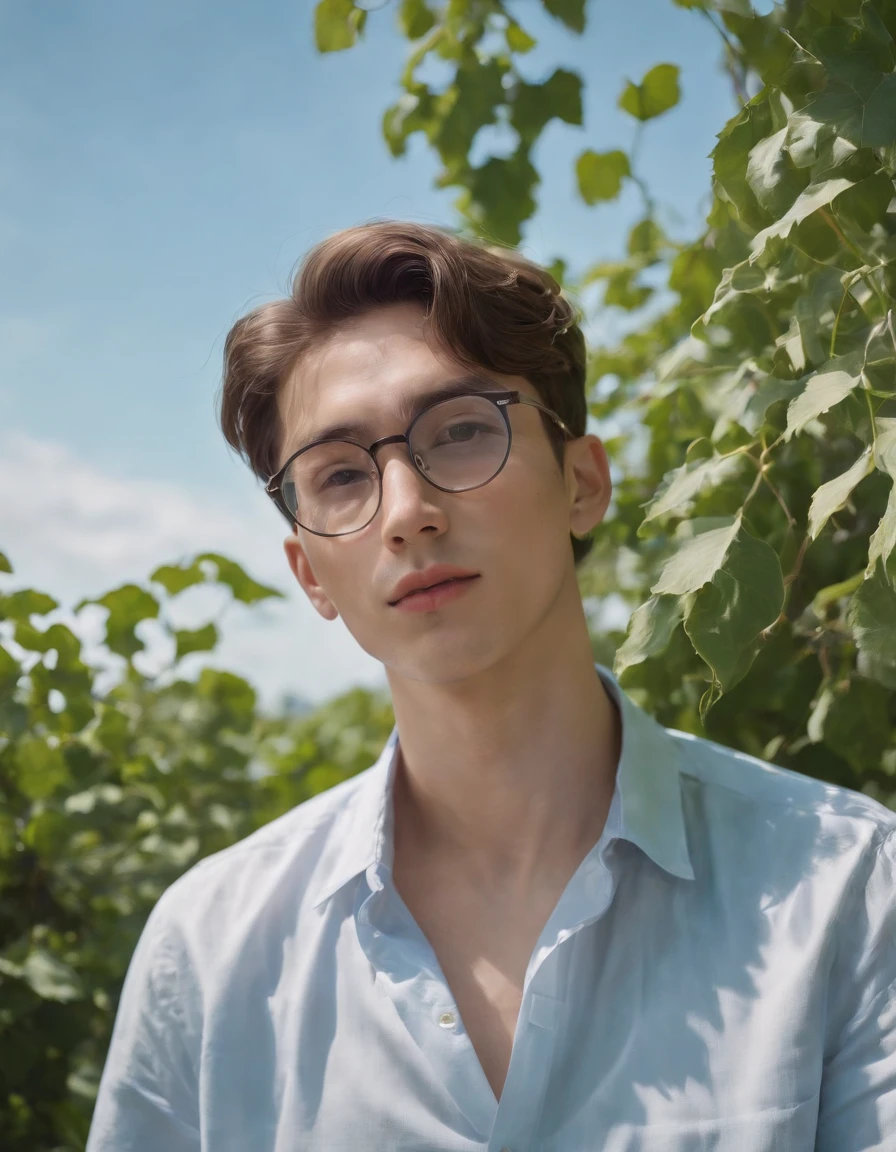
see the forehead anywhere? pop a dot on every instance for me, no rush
(370, 370)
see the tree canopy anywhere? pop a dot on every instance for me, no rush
(754, 523)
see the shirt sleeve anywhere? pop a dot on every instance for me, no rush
(857, 1107)
(147, 1098)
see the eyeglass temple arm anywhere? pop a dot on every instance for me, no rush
(522, 399)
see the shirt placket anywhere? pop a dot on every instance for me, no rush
(407, 971)
(545, 996)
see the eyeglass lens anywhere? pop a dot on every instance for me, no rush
(334, 487)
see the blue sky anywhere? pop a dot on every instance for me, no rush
(164, 167)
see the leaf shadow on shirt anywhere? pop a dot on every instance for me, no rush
(700, 1004)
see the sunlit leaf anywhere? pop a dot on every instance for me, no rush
(337, 24)
(649, 630)
(744, 597)
(415, 19)
(600, 174)
(681, 487)
(196, 640)
(518, 39)
(696, 561)
(50, 978)
(817, 195)
(831, 497)
(882, 544)
(128, 606)
(175, 578)
(25, 603)
(243, 587)
(5, 565)
(828, 387)
(657, 93)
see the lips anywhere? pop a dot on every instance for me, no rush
(428, 578)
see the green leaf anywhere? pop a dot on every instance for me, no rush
(831, 497)
(518, 39)
(868, 119)
(649, 631)
(243, 587)
(771, 173)
(697, 561)
(560, 97)
(682, 486)
(657, 93)
(885, 446)
(883, 540)
(499, 196)
(337, 24)
(5, 565)
(40, 768)
(467, 105)
(600, 174)
(569, 12)
(817, 195)
(826, 388)
(851, 718)
(196, 640)
(128, 606)
(50, 978)
(415, 19)
(175, 578)
(770, 391)
(745, 596)
(25, 603)
(623, 290)
(645, 238)
(872, 617)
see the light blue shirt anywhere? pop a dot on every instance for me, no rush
(718, 974)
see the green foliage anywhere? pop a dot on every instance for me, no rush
(600, 174)
(657, 93)
(751, 403)
(105, 799)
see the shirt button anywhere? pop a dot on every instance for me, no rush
(448, 1020)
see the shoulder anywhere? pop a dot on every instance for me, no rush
(758, 787)
(801, 839)
(287, 856)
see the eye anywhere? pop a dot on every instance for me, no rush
(463, 431)
(334, 481)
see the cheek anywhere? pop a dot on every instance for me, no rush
(530, 501)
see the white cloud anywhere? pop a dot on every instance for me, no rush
(73, 531)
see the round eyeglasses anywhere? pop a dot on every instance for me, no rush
(333, 487)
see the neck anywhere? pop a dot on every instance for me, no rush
(508, 773)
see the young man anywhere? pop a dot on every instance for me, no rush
(540, 921)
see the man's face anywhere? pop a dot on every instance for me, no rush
(513, 531)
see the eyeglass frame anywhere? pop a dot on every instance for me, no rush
(502, 399)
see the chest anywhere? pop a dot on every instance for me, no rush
(630, 1038)
(483, 942)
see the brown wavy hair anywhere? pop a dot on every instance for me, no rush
(486, 306)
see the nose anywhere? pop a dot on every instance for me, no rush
(410, 504)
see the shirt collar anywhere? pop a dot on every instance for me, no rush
(648, 789)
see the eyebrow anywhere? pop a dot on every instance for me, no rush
(361, 430)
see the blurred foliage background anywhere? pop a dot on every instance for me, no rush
(750, 411)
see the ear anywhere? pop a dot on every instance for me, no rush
(588, 483)
(298, 561)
